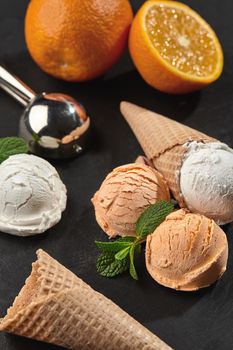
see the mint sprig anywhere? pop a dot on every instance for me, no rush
(122, 254)
(132, 270)
(115, 246)
(108, 266)
(152, 217)
(118, 256)
(10, 146)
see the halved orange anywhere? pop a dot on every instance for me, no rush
(173, 48)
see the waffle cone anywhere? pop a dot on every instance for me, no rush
(163, 140)
(57, 307)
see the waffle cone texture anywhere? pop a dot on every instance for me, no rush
(164, 142)
(57, 307)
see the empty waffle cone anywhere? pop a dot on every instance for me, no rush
(57, 307)
(163, 140)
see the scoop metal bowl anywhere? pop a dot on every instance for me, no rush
(54, 125)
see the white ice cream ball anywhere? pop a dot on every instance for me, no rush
(206, 180)
(32, 195)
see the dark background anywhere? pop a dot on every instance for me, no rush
(201, 320)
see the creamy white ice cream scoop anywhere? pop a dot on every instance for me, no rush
(206, 180)
(32, 195)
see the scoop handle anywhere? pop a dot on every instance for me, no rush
(15, 87)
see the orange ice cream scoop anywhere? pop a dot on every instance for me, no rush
(187, 251)
(125, 193)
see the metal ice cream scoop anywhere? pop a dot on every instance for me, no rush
(54, 125)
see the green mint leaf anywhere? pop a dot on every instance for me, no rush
(36, 137)
(132, 270)
(126, 239)
(123, 253)
(108, 266)
(116, 245)
(10, 146)
(152, 217)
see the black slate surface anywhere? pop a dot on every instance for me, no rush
(201, 320)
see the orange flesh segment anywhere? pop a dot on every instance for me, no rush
(182, 41)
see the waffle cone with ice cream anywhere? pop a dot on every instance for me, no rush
(168, 144)
(57, 307)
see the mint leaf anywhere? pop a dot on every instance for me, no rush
(10, 146)
(36, 137)
(125, 239)
(152, 217)
(115, 246)
(123, 253)
(132, 270)
(108, 266)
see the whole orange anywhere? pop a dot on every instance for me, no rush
(77, 40)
